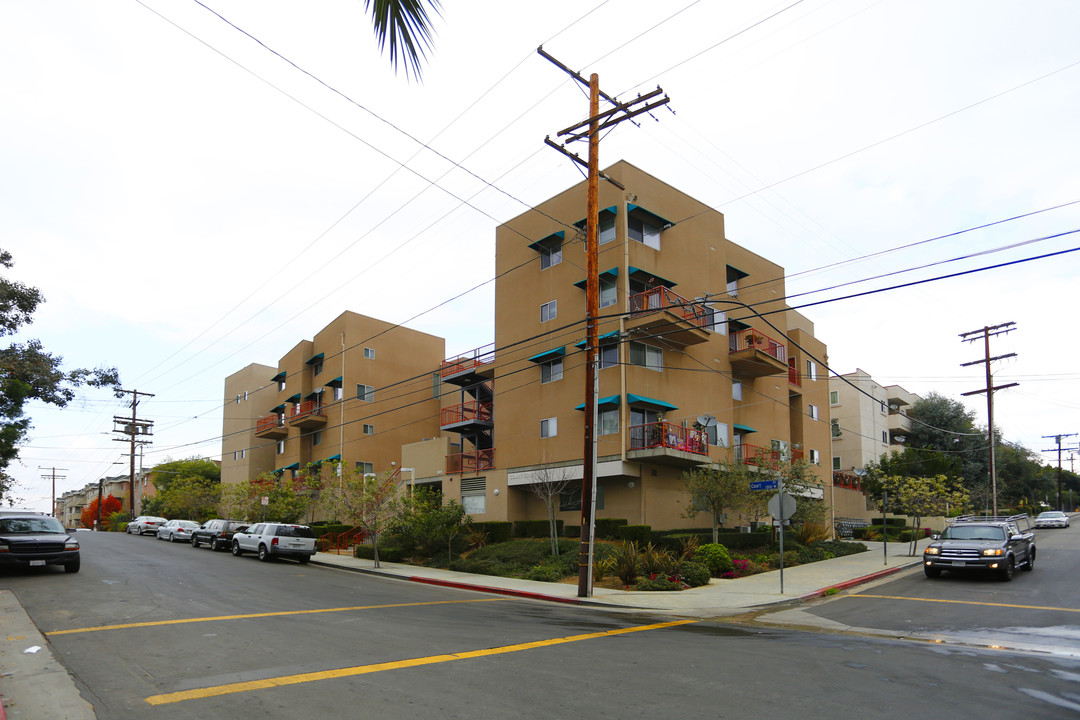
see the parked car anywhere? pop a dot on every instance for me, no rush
(145, 524)
(970, 542)
(274, 540)
(217, 534)
(36, 540)
(1052, 518)
(177, 530)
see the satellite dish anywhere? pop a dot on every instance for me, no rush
(706, 420)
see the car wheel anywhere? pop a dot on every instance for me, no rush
(1029, 565)
(264, 554)
(194, 541)
(172, 537)
(73, 566)
(1009, 569)
(215, 545)
(932, 572)
(236, 549)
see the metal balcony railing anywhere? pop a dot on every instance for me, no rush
(751, 339)
(471, 462)
(308, 407)
(270, 422)
(662, 298)
(467, 411)
(747, 454)
(481, 356)
(663, 434)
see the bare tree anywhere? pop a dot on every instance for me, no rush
(363, 498)
(551, 482)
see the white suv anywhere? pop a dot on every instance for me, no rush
(274, 540)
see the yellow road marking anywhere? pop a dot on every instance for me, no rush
(396, 665)
(965, 602)
(183, 621)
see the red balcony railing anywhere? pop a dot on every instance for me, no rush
(747, 454)
(751, 339)
(847, 480)
(308, 407)
(471, 462)
(467, 411)
(668, 435)
(481, 356)
(662, 298)
(270, 422)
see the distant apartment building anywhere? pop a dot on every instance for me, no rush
(355, 393)
(868, 420)
(70, 505)
(700, 362)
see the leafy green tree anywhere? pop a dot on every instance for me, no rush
(27, 373)
(946, 427)
(190, 498)
(287, 500)
(922, 497)
(423, 522)
(364, 499)
(718, 491)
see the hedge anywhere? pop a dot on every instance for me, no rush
(536, 528)
(388, 553)
(893, 522)
(641, 534)
(495, 531)
(608, 528)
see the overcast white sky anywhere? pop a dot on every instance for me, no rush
(162, 170)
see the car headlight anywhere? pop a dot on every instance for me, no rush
(71, 544)
(932, 551)
(993, 551)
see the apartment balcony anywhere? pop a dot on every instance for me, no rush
(471, 462)
(755, 354)
(846, 480)
(468, 417)
(271, 427)
(307, 415)
(469, 370)
(746, 454)
(664, 314)
(668, 444)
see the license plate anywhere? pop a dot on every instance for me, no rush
(958, 563)
(36, 563)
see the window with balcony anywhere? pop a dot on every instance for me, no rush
(549, 311)
(366, 393)
(549, 427)
(646, 356)
(551, 371)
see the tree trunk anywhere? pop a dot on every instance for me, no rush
(553, 529)
(715, 530)
(375, 542)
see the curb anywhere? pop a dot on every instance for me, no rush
(496, 591)
(858, 581)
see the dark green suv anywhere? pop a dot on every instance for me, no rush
(217, 534)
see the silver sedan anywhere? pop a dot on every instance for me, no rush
(1052, 518)
(177, 530)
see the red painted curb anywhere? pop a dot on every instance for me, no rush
(497, 591)
(3, 715)
(855, 581)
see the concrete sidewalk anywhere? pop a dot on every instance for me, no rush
(718, 598)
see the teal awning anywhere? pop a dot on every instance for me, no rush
(333, 458)
(606, 337)
(649, 402)
(314, 394)
(548, 355)
(294, 466)
(279, 409)
(314, 359)
(744, 428)
(612, 400)
(335, 383)
(555, 238)
(293, 398)
(638, 271)
(661, 223)
(581, 223)
(612, 273)
(279, 377)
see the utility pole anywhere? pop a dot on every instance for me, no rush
(986, 333)
(133, 428)
(1057, 438)
(54, 476)
(590, 129)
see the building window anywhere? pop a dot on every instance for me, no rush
(609, 355)
(834, 397)
(734, 275)
(551, 255)
(551, 371)
(609, 291)
(369, 429)
(570, 499)
(316, 437)
(369, 353)
(243, 453)
(646, 356)
(365, 393)
(281, 385)
(549, 427)
(606, 228)
(236, 455)
(609, 421)
(473, 492)
(815, 457)
(365, 467)
(884, 408)
(814, 415)
(836, 463)
(339, 393)
(717, 434)
(237, 399)
(736, 391)
(811, 370)
(280, 447)
(643, 232)
(316, 367)
(436, 385)
(715, 320)
(835, 427)
(884, 437)
(549, 311)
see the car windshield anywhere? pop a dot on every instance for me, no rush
(1051, 515)
(30, 525)
(973, 533)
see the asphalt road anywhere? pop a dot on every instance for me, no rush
(1038, 609)
(149, 628)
